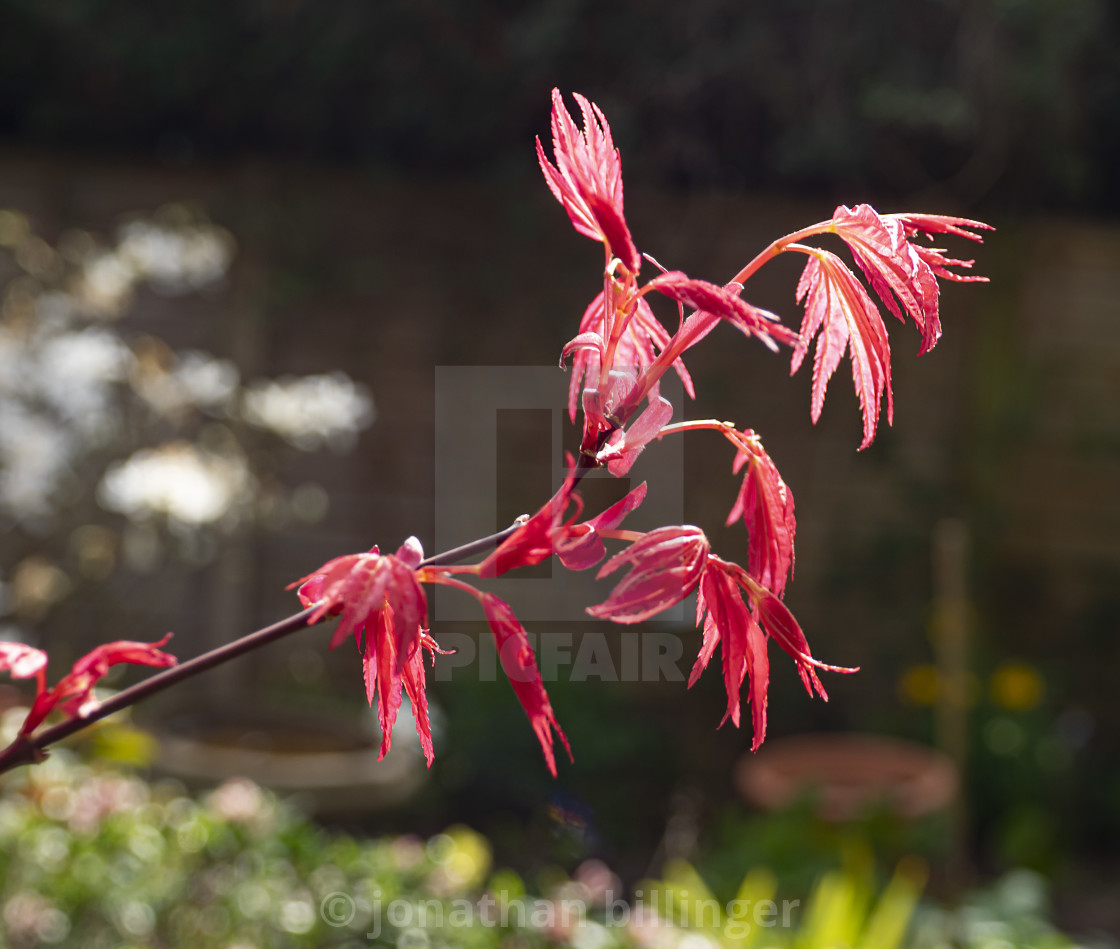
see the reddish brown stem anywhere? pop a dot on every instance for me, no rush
(30, 748)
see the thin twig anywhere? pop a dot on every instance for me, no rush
(474, 547)
(29, 749)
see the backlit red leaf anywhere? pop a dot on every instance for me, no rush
(582, 547)
(587, 177)
(665, 567)
(724, 303)
(765, 503)
(781, 625)
(892, 266)
(842, 316)
(22, 661)
(520, 667)
(74, 692)
(729, 624)
(639, 342)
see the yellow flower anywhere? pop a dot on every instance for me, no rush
(1017, 687)
(920, 685)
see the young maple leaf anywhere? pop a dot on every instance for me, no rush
(23, 662)
(898, 269)
(385, 674)
(713, 301)
(670, 563)
(578, 545)
(75, 690)
(521, 669)
(730, 625)
(742, 630)
(641, 339)
(765, 503)
(893, 267)
(665, 566)
(902, 274)
(379, 595)
(358, 585)
(587, 178)
(840, 310)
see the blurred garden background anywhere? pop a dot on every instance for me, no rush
(237, 242)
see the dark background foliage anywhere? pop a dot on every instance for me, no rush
(1013, 100)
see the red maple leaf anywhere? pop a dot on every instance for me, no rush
(668, 564)
(737, 626)
(384, 676)
(546, 533)
(665, 566)
(521, 669)
(903, 275)
(639, 342)
(729, 624)
(23, 662)
(587, 178)
(893, 267)
(75, 690)
(379, 595)
(765, 503)
(840, 310)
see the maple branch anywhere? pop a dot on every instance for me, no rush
(28, 749)
(780, 246)
(464, 551)
(697, 425)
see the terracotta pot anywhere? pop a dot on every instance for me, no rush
(849, 773)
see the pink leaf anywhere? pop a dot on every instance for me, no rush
(379, 596)
(728, 614)
(837, 305)
(383, 680)
(765, 503)
(521, 669)
(742, 643)
(359, 585)
(892, 266)
(623, 448)
(582, 546)
(782, 626)
(587, 178)
(22, 661)
(75, 690)
(723, 303)
(666, 565)
(758, 668)
(414, 685)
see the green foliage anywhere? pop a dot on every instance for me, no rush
(98, 857)
(1012, 912)
(800, 847)
(959, 96)
(843, 908)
